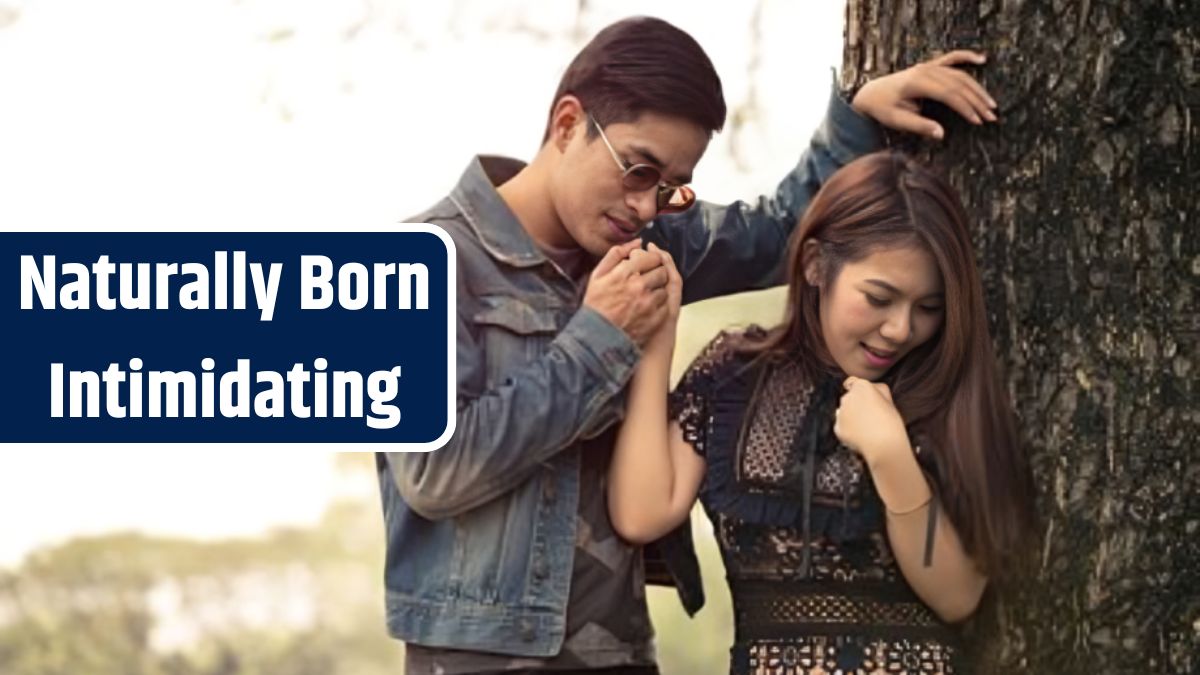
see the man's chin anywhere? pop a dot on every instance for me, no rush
(598, 246)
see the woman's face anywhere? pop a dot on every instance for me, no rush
(880, 308)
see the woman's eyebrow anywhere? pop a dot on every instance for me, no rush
(892, 289)
(884, 285)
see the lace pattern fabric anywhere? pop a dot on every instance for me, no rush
(773, 554)
(822, 655)
(777, 418)
(815, 586)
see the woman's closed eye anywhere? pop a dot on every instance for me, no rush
(877, 301)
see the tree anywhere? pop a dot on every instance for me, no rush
(1081, 200)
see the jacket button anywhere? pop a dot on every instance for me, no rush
(540, 570)
(526, 629)
(549, 492)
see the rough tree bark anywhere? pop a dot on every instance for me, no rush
(1083, 201)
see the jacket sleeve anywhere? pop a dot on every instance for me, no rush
(506, 431)
(742, 246)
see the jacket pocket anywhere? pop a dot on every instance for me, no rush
(513, 333)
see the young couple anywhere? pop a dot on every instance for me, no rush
(858, 461)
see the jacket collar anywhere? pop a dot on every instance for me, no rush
(489, 217)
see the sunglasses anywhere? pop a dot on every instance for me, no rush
(641, 177)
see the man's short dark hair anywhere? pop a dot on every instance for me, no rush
(641, 65)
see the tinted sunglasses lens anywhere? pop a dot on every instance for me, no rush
(674, 200)
(642, 177)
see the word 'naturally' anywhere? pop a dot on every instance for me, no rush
(195, 285)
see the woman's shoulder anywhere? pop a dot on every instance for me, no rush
(727, 355)
(716, 388)
(742, 343)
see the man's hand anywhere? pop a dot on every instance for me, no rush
(629, 288)
(893, 100)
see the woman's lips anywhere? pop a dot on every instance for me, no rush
(878, 358)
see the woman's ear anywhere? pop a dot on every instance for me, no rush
(810, 259)
(564, 121)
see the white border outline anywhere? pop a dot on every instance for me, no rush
(451, 341)
(329, 446)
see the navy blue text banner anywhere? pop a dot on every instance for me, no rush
(229, 337)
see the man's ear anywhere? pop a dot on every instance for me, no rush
(810, 260)
(565, 121)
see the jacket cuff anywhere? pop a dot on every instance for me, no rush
(846, 133)
(600, 346)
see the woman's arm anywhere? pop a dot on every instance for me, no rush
(655, 474)
(951, 584)
(867, 421)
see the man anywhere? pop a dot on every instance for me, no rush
(500, 554)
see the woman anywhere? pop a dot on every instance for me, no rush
(859, 461)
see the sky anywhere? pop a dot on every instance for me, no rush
(253, 115)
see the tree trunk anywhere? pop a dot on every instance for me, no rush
(1081, 200)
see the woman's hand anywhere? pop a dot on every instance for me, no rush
(664, 337)
(654, 474)
(867, 421)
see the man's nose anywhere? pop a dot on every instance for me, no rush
(644, 203)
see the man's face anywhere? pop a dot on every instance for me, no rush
(595, 208)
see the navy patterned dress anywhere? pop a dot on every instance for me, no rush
(800, 526)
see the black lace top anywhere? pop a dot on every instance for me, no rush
(800, 527)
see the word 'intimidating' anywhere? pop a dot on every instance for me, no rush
(165, 393)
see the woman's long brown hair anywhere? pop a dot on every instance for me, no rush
(948, 390)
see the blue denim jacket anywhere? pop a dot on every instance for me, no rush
(481, 533)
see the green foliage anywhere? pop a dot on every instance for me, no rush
(128, 604)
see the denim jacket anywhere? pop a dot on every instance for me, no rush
(481, 533)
